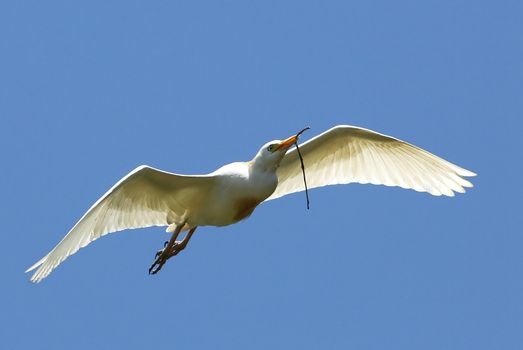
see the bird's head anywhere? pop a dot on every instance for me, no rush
(271, 154)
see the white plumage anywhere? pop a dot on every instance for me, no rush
(346, 154)
(341, 155)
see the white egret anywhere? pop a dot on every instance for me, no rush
(344, 154)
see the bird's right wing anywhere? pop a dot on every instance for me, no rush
(145, 197)
(346, 154)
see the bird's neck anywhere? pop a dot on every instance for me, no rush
(263, 179)
(260, 165)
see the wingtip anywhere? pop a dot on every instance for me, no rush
(38, 276)
(38, 263)
(35, 279)
(464, 172)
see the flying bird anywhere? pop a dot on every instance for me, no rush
(341, 155)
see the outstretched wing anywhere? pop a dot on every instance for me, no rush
(346, 154)
(145, 197)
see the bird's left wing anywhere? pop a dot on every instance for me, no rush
(145, 197)
(346, 154)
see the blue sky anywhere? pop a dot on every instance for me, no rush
(90, 90)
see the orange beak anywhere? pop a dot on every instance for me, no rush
(291, 140)
(288, 142)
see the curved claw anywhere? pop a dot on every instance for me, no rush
(156, 266)
(152, 268)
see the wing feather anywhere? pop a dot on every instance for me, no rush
(348, 154)
(145, 197)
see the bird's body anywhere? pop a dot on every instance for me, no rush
(343, 154)
(239, 189)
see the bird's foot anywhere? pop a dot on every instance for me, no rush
(158, 263)
(162, 256)
(159, 252)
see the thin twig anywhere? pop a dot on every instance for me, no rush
(302, 166)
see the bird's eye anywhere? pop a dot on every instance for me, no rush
(271, 148)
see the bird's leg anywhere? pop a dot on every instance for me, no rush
(179, 246)
(163, 255)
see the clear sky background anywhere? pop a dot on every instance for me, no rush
(90, 90)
